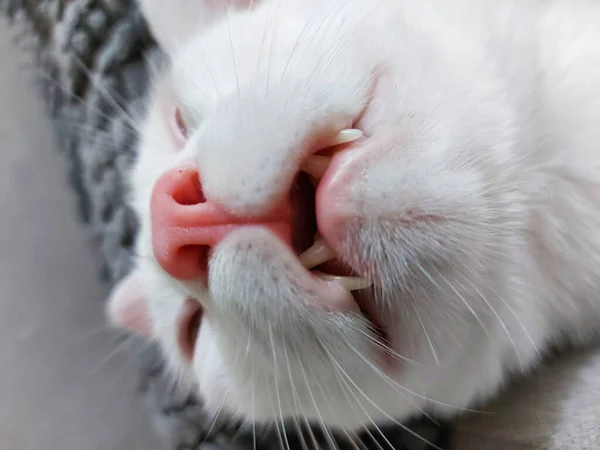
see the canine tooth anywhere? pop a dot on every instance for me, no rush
(316, 166)
(349, 283)
(317, 254)
(346, 136)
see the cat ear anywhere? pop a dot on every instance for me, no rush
(175, 22)
(127, 307)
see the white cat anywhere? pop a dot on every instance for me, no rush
(468, 201)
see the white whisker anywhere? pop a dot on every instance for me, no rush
(93, 78)
(331, 57)
(81, 101)
(214, 422)
(430, 342)
(330, 439)
(253, 409)
(404, 427)
(326, 18)
(294, 397)
(497, 316)
(275, 377)
(458, 295)
(273, 37)
(235, 69)
(396, 385)
(338, 373)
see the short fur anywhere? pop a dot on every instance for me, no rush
(472, 203)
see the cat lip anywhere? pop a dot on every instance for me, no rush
(360, 290)
(313, 252)
(321, 260)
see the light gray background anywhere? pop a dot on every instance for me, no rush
(58, 391)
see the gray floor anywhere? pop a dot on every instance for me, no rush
(60, 388)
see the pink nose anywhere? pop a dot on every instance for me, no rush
(185, 225)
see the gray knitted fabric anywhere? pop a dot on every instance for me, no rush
(93, 59)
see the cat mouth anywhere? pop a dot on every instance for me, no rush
(314, 253)
(323, 268)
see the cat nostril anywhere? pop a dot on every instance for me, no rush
(181, 223)
(189, 190)
(186, 226)
(189, 327)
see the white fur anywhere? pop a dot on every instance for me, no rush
(485, 115)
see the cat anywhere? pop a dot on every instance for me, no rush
(356, 212)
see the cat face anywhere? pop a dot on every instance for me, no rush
(330, 215)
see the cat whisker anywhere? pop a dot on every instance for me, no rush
(297, 43)
(331, 57)
(325, 397)
(213, 424)
(458, 295)
(93, 78)
(396, 386)
(81, 101)
(119, 348)
(345, 390)
(253, 409)
(429, 341)
(519, 321)
(397, 356)
(328, 435)
(498, 318)
(404, 427)
(339, 373)
(71, 402)
(328, 29)
(297, 405)
(210, 68)
(93, 333)
(235, 69)
(85, 133)
(273, 39)
(275, 377)
(358, 442)
(317, 31)
(373, 440)
(306, 423)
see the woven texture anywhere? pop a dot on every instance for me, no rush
(92, 60)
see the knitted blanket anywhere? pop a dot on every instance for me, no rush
(92, 57)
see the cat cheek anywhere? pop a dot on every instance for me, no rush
(127, 307)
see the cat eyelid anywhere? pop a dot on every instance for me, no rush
(183, 123)
(180, 125)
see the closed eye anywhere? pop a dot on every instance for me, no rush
(180, 127)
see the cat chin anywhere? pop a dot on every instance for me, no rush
(256, 396)
(236, 378)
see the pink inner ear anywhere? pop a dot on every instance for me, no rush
(128, 308)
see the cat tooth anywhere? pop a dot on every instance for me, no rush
(317, 254)
(349, 283)
(346, 136)
(316, 166)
